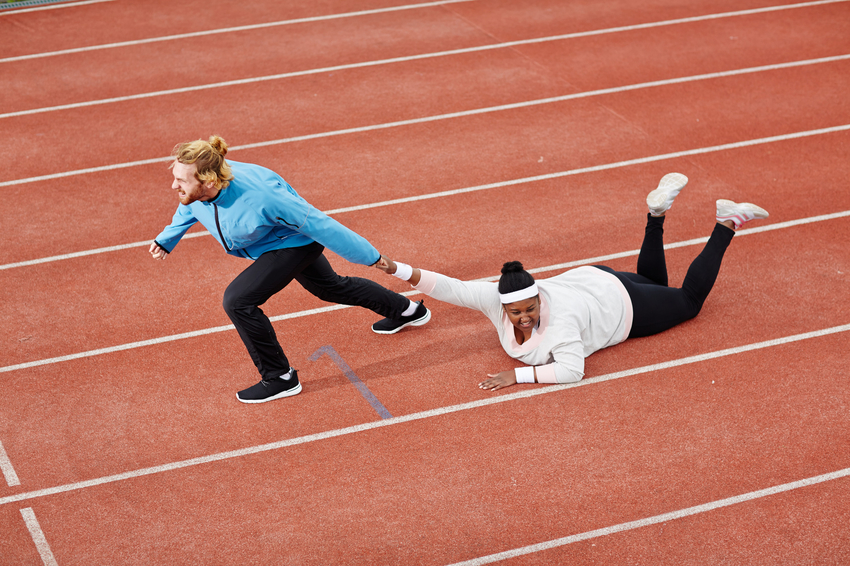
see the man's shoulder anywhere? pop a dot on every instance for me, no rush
(249, 176)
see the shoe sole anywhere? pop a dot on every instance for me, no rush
(669, 182)
(417, 322)
(288, 393)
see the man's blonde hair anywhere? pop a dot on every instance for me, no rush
(208, 157)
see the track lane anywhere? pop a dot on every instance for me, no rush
(251, 52)
(160, 306)
(289, 102)
(737, 42)
(241, 55)
(166, 402)
(180, 529)
(613, 443)
(92, 25)
(790, 528)
(465, 152)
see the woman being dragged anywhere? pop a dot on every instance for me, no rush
(553, 324)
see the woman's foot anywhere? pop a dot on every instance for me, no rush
(738, 213)
(661, 199)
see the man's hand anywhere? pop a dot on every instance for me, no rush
(499, 380)
(157, 252)
(386, 265)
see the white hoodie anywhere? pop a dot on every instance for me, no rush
(581, 311)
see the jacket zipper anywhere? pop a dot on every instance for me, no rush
(221, 234)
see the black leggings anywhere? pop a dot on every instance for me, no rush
(273, 271)
(658, 307)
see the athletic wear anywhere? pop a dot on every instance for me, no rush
(392, 325)
(738, 213)
(658, 307)
(270, 389)
(273, 271)
(259, 212)
(261, 218)
(581, 311)
(660, 200)
(589, 308)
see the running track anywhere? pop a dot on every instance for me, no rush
(453, 135)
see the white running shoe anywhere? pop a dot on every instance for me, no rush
(661, 199)
(739, 213)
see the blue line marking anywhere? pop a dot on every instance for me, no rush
(352, 377)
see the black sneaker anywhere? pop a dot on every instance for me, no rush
(392, 325)
(271, 389)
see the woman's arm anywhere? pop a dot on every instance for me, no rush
(482, 296)
(501, 380)
(389, 267)
(547, 374)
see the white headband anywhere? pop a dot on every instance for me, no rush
(514, 296)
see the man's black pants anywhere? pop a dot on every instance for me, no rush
(270, 273)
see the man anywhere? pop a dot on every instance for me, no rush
(255, 214)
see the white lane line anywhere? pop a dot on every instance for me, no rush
(248, 27)
(95, 251)
(11, 11)
(526, 393)
(685, 243)
(453, 192)
(604, 167)
(697, 509)
(98, 169)
(453, 115)
(38, 537)
(633, 27)
(7, 469)
(300, 314)
(321, 70)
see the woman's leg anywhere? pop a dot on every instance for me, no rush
(266, 276)
(658, 308)
(651, 262)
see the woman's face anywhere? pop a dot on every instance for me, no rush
(524, 314)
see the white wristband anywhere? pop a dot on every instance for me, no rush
(524, 374)
(403, 271)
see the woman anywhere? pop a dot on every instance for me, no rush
(554, 324)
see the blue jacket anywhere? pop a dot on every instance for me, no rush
(259, 212)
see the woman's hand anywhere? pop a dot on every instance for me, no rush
(499, 380)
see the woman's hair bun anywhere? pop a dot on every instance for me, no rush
(512, 267)
(219, 145)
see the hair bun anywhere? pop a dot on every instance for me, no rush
(512, 267)
(219, 145)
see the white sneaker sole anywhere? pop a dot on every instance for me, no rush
(288, 393)
(657, 199)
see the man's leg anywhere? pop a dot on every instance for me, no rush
(399, 312)
(266, 276)
(320, 279)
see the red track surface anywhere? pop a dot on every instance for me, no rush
(134, 453)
